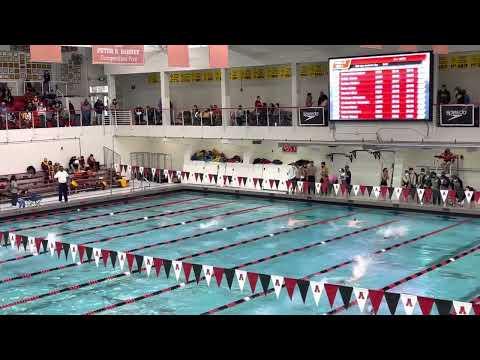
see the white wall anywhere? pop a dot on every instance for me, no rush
(270, 91)
(312, 85)
(202, 93)
(144, 93)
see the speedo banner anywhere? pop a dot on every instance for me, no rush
(118, 54)
(457, 115)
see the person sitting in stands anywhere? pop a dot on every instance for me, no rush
(13, 188)
(82, 162)
(31, 171)
(91, 162)
(42, 114)
(71, 162)
(35, 101)
(45, 167)
(56, 167)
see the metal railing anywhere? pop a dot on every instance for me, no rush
(40, 87)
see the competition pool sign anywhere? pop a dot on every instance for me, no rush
(393, 87)
(457, 115)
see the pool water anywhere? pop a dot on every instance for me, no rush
(238, 230)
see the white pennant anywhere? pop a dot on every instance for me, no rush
(241, 277)
(11, 238)
(336, 187)
(376, 191)
(397, 193)
(207, 272)
(165, 172)
(177, 267)
(317, 290)
(361, 295)
(154, 170)
(148, 261)
(121, 259)
(300, 185)
(318, 187)
(129, 168)
(277, 284)
(409, 302)
(31, 245)
(73, 251)
(96, 255)
(355, 189)
(122, 170)
(469, 195)
(420, 193)
(179, 173)
(462, 308)
(51, 246)
(116, 167)
(141, 170)
(444, 193)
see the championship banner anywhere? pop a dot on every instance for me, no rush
(457, 115)
(313, 116)
(118, 54)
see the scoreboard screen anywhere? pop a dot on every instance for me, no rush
(396, 87)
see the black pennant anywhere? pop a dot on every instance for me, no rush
(139, 260)
(167, 265)
(390, 192)
(276, 183)
(215, 177)
(89, 251)
(392, 301)
(201, 177)
(346, 293)
(5, 238)
(229, 179)
(369, 189)
(229, 274)
(443, 306)
(66, 248)
(303, 286)
(113, 257)
(197, 270)
(24, 242)
(260, 181)
(265, 281)
(45, 245)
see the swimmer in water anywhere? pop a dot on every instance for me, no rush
(293, 222)
(354, 223)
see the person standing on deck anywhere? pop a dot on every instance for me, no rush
(62, 177)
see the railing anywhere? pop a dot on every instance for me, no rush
(39, 87)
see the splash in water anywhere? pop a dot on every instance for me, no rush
(355, 223)
(210, 223)
(393, 231)
(294, 222)
(360, 267)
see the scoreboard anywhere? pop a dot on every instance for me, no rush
(395, 87)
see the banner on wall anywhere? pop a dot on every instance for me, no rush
(46, 53)
(312, 116)
(118, 54)
(457, 115)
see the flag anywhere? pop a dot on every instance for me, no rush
(376, 297)
(425, 304)
(178, 56)
(420, 193)
(355, 189)
(277, 284)
(207, 272)
(462, 308)
(252, 280)
(148, 264)
(444, 193)
(177, 268)
(331, 291)
(317, 290)
(392, 301)
(218, 56)
(241, 277)
(361, 296)
(409, 302)
(336, 187)
(290, 285)
(121, 259)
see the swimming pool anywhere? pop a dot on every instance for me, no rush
(293, 239)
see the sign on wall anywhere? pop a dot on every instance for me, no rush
(289, 148)
(312, 116)
(118, 54)
(457, 115)
(459, 61)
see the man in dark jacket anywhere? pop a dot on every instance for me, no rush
(443, 95)
(99, 107)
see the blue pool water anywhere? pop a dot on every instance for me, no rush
(458, 280)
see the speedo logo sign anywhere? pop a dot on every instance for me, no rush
(309, 115)
(455, 114)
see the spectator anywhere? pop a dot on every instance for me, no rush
(46, 81)
(406, 179)
(71, 162)
(92, 163)
(435, 185)
(71, 111)
(99, 108)
(196, 116)
(258, 102)
(82, 162)
(150, 115)
(160, 104)
(348, 177)
(13, 188)
(311, 170)
(42, 114)
(3, 112)
(444, 181)
(139, 115)
(35, 102)
(324, 180)
(44, 166)
(309, 100)
(62, 177)
(322, 99)
(443, 95)
(29, 107)
(276, 114)
(421, 178)
(114, 104)
(412, 177)
(31, 171)
(86, 110)
(459, 96)
(457, 186)
(466, 97)
(384, 177)
(240, 116)
(51, 172)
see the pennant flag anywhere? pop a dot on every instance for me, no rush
(361, 296)
(362, 189)
(375, 297)
(390, 191)
(468, 195)
(260, 182)
(113, 257)
(105, 256)
(420, 193)
(290, 285)
(369, 190)
(270, 181)
(121, 259)
(425, 304)
(45, 245)
(398, 192)
(165, 173)
(230, 179)
(4, 238)
(129, 168)
(201, 177)
(115, 166)
(139, 261)
(38, 243)
(265, 281)
(66, 248)
(196, 177)
(218, 272)
(452, 194)
(73, 251)
(409, 302)
(476, 308)
(476, 196)
(383, 191)
(225, 177)
(289, 184)
(148, 263)
(158, 265)
(179, 173)
(229, 274)
(218, 56)
(177, 268)
(24, 242)
(154, 171)
(277, 182)
(405, 193)
(241, 277)
(130, 258)
(58, 247)
(18, 241)
(187, 268)
(167, 265)
(81, 251)
(462, 308)
(331, 291)
(336, 187)
(299, 185)
(303, 286)
(355, 189)
(252, 279)
(178, 56)
(346, 294)
(376, 191)
(444, 193)
(31, 244)
(215, 178)
(444, 307)
(197, 271)
(277, 284)
(141, 170)
(207, 272)
(96, 255)
(318, 187)
(306, 185)
(392, 301)
(255, 182)
(51, 246)
(317, 290)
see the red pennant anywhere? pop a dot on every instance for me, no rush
(476, 308)
(271, 183)
(477, 196)
(362, 189)
(425, 304)
(210, 177)
(105, 254)
(187, 268)
(306, 184)
(38, 242)
(289, 184)
(343, 188)
(405, 193)
(452, 195)
(252, 279)
(290, 285)
(81, 251)
(383, 191)
(18, 241)
(427, 195)
(59, 248)
(225, 177)
(324, 186)
(218, 272)
(376, 297)
(158, 264)
(331, 291)
(130, 258)
(255, 182)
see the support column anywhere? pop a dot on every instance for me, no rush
(225, 93)
(165, 89)
(295, 95)
(112, 90)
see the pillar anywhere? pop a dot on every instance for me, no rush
(165, 89)
(112, 90)
(295, 95)
(225, 94)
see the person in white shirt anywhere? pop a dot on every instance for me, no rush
(62, 177)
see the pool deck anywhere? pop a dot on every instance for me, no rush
(105, 196)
